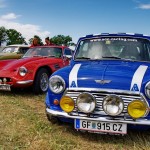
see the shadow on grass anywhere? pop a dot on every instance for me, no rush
(132, 137)
(20, 92)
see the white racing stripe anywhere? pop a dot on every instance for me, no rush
(73, 76)
(137, 78)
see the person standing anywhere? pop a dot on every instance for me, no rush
(35, 42)
(48, 42)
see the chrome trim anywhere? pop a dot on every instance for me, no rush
(103, 81)
(104, 90)
(62, 80)
(24, 82)
(146, 89)
(103, 119)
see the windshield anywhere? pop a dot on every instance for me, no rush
(114, 48)
(44, 51)
(11, 49)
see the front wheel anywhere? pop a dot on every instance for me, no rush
(41, 81)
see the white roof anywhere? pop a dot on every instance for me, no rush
(19, 45)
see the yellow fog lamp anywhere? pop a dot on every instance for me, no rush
(137, 109)
(67, 104)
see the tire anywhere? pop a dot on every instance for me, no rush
(54, 120)
(41, 81)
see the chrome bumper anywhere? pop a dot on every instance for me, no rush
(103, 119)
(24, 82)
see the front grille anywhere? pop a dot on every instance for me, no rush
(8, 80)
(99, 96)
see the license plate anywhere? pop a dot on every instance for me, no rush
(5, 87)
(97, 126)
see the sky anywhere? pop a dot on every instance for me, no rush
(75, 18)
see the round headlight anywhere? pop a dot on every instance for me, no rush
(147, 90)
(22, 71)
(113, 105)
(136, 109)
(56, 84)
(86, 102)
(67, 104)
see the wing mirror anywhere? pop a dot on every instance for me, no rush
(67, 57)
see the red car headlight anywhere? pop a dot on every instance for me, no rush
(22, 71)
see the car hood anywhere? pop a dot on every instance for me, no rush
(122, 75)
(13, 64)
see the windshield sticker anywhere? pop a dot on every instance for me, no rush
(108, 42)
(114, 39)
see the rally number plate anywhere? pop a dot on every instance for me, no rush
(97, 126)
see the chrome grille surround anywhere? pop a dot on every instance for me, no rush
(99, 94)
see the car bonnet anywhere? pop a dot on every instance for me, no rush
(122, 75)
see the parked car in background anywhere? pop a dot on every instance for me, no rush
(106, 87)
(1, 48)
(33, 69)
(13, 51)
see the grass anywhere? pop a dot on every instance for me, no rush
(23, 125)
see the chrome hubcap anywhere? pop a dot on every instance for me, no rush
(44, 82)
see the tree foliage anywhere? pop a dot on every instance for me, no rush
(3, 35)
(62, 40)
(14, 37)
(39, 40)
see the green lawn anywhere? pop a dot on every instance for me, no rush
(23, 125)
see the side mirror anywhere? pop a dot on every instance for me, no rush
(67, 57)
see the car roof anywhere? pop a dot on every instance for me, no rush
(19, 45)
(134, 35)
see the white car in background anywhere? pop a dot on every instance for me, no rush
(13, 51)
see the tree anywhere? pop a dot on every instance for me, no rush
(62, 40)
(39, 39)
(3, 35)
(14, 37)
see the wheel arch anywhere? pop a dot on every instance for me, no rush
(43, 67)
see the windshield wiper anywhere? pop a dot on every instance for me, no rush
(115, 57)
(51, 56)
(83, 58)
(36, 56)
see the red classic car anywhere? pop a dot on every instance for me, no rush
(33, 69)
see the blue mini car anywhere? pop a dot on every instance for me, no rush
(106, 87)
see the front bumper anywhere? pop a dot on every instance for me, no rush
(24, 82)
(17, 84)
(102, 119)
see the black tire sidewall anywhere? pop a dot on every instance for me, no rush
(36, 86)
